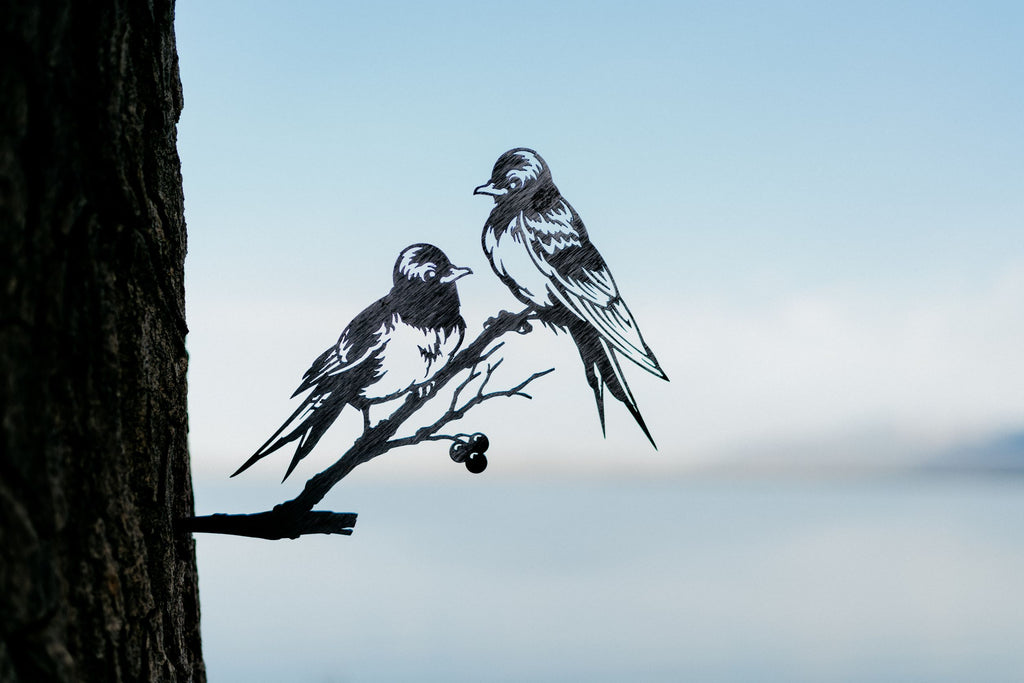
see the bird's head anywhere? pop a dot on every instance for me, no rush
(424, 265)
(517, 172)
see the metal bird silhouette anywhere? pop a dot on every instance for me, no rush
(396, 345)
(538, 246)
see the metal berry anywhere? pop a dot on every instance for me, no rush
(478, 443)
(476, 463)
(459, 451)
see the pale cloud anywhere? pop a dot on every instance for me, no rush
(821, 376)
(824, 365)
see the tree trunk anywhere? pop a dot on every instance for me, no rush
(94, 583)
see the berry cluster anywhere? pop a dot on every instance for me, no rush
(471, 452)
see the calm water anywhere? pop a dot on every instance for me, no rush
(484, 579)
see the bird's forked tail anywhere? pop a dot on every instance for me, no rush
(603, 370)
(307, 425)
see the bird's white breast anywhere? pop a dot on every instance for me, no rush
(510, 258)
(411, 356)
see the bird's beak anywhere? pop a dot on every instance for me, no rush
(490, 189)
(455, 273)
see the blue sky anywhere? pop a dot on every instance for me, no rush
(814, 210)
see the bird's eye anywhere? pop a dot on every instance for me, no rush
(430, 275)
(513, 184)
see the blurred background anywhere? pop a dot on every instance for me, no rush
(816, 214)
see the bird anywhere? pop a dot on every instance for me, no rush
(538, 246)
(395, 345)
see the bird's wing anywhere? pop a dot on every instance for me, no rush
(579, 278)
(335, 378)
(363, 339)
(335, 361)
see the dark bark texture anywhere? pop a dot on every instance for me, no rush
(94, 584)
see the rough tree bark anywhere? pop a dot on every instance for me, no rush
(94, 584)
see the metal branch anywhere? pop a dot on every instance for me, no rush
(275, 524)
(296, 517)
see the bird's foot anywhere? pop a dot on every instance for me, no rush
(503, 319)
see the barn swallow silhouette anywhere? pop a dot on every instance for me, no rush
(396, 345)
(538, 246)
